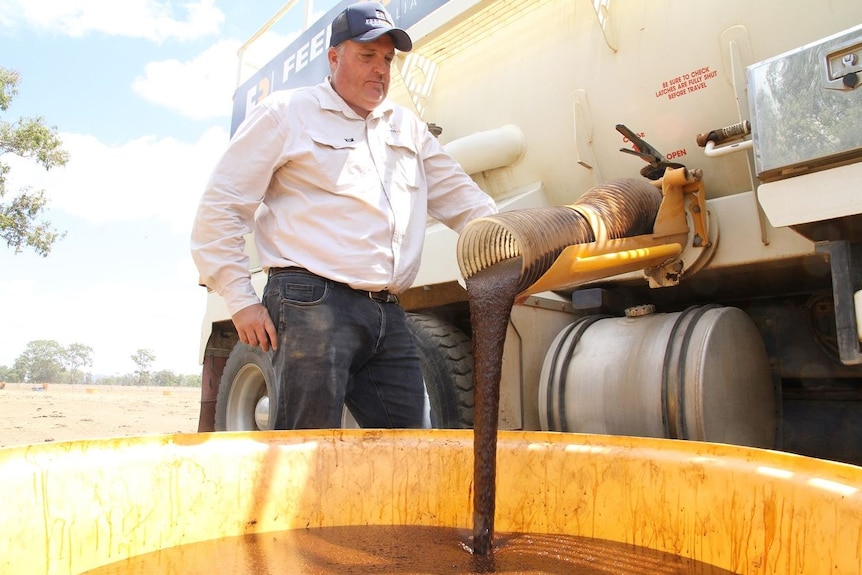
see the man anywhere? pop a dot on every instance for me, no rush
(336, 184)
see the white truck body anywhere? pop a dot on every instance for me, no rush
(528, 94)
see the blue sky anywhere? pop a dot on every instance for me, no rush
(140, 92)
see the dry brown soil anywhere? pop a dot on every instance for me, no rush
(33, 414)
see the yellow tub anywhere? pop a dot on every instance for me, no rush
(70, 507)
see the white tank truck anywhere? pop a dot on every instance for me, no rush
(708, 150)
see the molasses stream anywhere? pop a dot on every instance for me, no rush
(492, 293)
(500, 257)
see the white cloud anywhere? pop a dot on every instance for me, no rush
(203, 87)
(200, 88)
(141, 179)
(149, 19)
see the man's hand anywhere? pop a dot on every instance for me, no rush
(255, 327)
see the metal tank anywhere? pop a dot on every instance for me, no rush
(702, 374)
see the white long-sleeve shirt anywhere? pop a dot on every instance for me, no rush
(322, 188)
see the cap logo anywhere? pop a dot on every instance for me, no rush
(381, 20)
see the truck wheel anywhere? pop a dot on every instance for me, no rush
(447, 365)
(247, 383)
(248, 380)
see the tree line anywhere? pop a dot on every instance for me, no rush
(46, 361)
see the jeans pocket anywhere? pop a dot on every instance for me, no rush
(298, 288)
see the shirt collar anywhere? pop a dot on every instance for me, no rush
(330, 100)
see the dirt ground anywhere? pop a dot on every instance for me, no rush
(30, 414)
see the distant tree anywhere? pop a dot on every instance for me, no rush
(127, 379)
(143, 358)
(167, 378)
(28, 138)
(191, 380)
(41, 361)
(9, 375)
(77, 355)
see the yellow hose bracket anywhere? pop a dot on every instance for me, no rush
(579, 264)
(683, 197)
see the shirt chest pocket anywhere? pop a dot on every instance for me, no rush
(338, 160)
(403, 167)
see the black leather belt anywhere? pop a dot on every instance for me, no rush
(382, 296)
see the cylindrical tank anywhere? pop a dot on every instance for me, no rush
(700, 374)
(71, 507)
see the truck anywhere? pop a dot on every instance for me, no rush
(735, 316)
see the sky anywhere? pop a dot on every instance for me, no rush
(140, 93)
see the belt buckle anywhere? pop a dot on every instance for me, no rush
(387, 298)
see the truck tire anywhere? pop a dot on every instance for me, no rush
(247, 384)
(248, 380)
(447, 365)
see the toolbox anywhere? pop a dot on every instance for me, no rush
(806, 107)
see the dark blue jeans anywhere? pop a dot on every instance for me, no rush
(337, 347)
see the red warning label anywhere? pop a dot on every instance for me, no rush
(685, 84)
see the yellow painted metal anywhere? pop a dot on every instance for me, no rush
(580, 263)
(69, 507)
(605, 257)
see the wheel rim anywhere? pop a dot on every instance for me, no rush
(248, 402)
(261, 413)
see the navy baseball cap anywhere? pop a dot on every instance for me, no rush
(365, 22)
